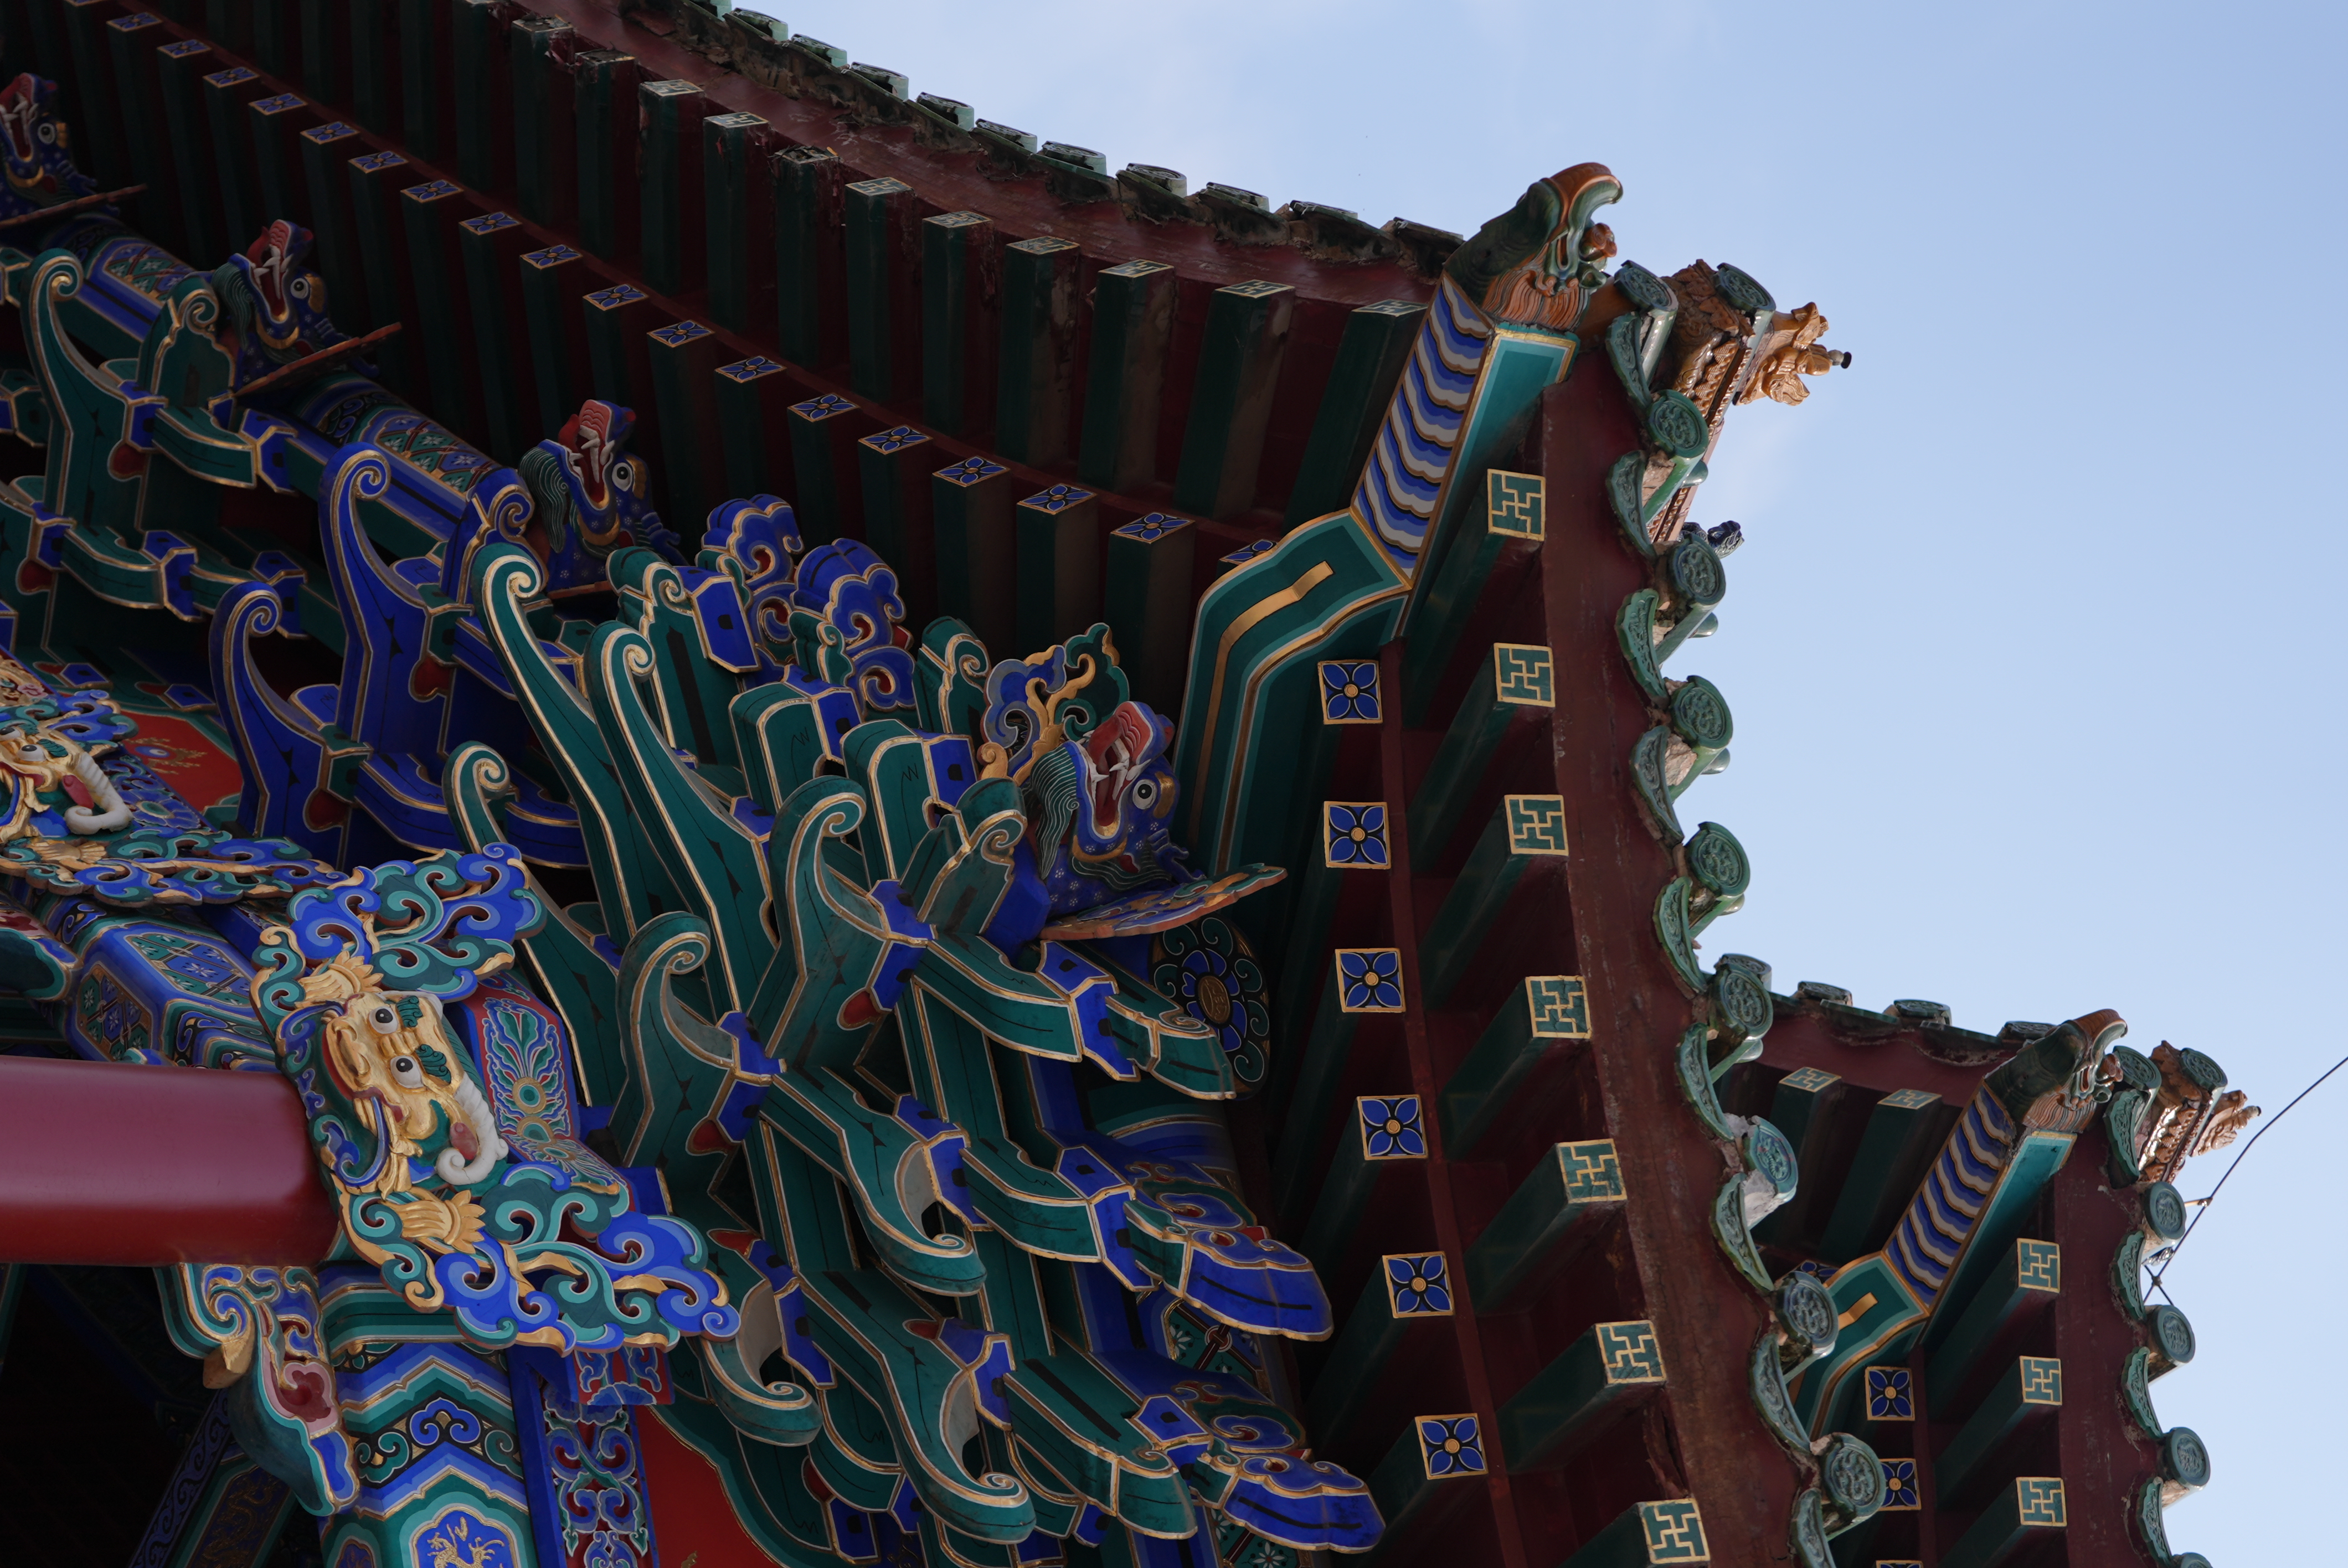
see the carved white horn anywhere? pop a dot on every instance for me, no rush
(451, 1166)
(81, 819)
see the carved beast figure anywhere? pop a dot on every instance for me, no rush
(593, 496)
(35, 150)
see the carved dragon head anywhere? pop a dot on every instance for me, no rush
(1091, 767)
(35, 150)
(50, 768)
(281, 315)
(1536, 264)
(393, 1047)
(593, 496)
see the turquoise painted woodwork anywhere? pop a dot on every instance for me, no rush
(1648, 1533)
(674, 235)
(2031, 1508)
(810, 286)
(1035, 402)
(849, 950)
(1548, 1009)
(884, 324)
(1133, 324)
(1337, 587)
(1240, 356)
(1902, 1135)
(1517, 682)
(1556, 1210)
(1376, 344)
(544, 130)
(1609, 1364)
(961, 283)
(1513, 528)
(325, 149)
(489, 250)
(2027, 1392)
(682, 358)
(740, 200)
(605, 87)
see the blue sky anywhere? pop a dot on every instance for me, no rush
(2034, 597)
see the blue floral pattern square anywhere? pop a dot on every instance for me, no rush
(1057, 499)
(1349, 691)
(1355, 834)
(1890, 1394)
(823, 407)
(1451, 1446)
(1151, 528)
(1418, 1284)
(1391, 1127)
(1369, 979)
(1899, 1485)
(895, 440)
(969, 472)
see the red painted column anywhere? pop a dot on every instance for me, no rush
(102, 1163)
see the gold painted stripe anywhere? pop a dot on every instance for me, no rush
(1263, 671)
(1249, 620)
(1855, 1311)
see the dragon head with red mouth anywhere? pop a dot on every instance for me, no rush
(1127, 791)
(274, 307)
(1091, 765)
(593, 496)
(36, 152)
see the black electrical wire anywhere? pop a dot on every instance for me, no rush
(2171, 1262)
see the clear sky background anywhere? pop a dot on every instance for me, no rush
(2038, 697)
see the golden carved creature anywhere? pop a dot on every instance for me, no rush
(2186, 1118)
(38, 760)
(394, 1048)
(1786, 353)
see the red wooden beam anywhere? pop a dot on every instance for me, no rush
(103, 1163)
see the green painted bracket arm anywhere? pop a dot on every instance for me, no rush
(1520, 365)
(777, 1412)
(630, 879)
(834, 936)
(766, 1484)
(1022, 1010)
(886, 1344)
(86, 411)
(571, 974)
(780, 734)
(1325, 591)
(884, 1165)
(1036, 1208)
(695, 683)
(1080, 1422)
(710, 857)
(681, 1070)
(1176, 1048)
(890, 760)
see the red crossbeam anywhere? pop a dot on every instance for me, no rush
(108, 1163)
